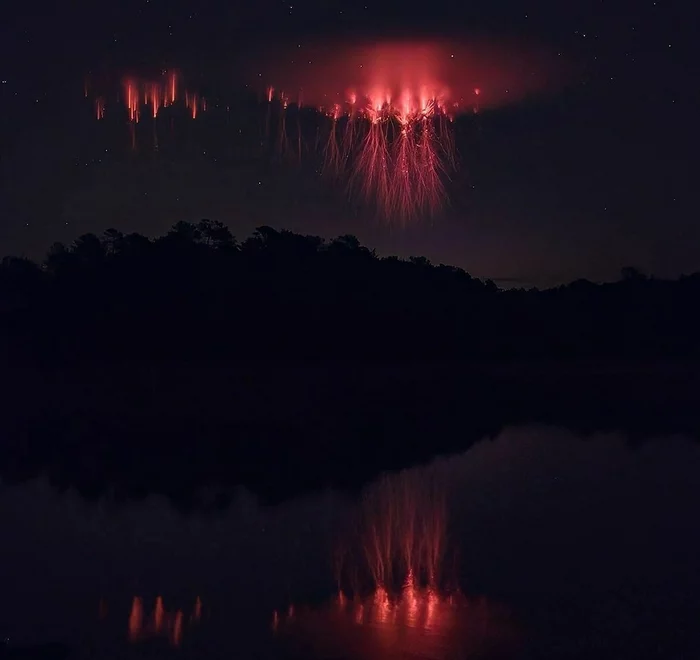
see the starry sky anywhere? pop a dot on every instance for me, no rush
(593, 175)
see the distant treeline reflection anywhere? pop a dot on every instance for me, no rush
(192, 363)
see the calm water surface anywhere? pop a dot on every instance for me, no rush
(538, 543)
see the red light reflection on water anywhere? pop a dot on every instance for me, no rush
(397, 539)
(419, 621)
(161, 623)
(395, 597)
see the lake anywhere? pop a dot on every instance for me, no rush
(537, 543)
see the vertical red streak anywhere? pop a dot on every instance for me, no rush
(135, 619)
(158, 614)
(177, 629)
(155, 99)
(162, 623)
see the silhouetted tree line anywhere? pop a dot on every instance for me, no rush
(198, 294)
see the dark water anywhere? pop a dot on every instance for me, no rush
(538, 543)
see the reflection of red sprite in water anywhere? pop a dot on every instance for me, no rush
(394, 547)
(161, 623)
(395, 595)
(402, 524)
(389, 563)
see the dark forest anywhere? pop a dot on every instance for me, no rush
(199, 294)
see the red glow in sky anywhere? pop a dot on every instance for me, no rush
(408, 90)
(499, 73)
(149, 96)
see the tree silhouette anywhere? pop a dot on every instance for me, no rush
(631, 274)
(215, 234)
(196, 293)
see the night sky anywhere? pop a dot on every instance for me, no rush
(589, 176)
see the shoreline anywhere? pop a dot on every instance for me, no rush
(282, 430)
